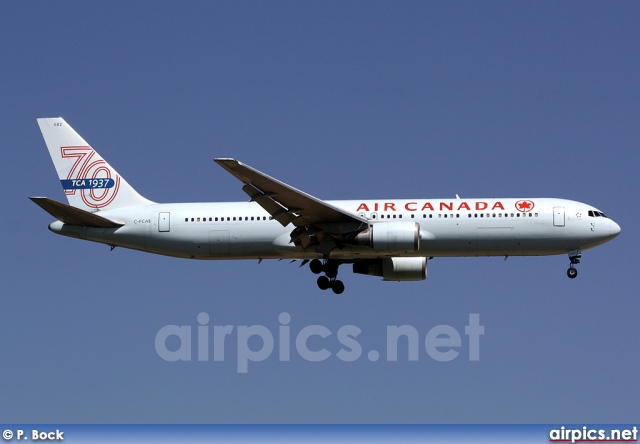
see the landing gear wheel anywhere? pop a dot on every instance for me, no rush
(324, 283)
(337, 287)
(574, 259)
(331, 270)
(315, 266)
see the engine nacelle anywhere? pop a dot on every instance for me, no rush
(391, 236)
(394, 268)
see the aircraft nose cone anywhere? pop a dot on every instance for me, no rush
(614, 229)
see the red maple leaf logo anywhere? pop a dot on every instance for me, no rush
(524, 206)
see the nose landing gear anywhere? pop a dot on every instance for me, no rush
(330, 269)
(574, 258)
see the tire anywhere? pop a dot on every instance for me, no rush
(337, 287)
(572, 273)
(315, 266)
(323, 283)
(331, 270)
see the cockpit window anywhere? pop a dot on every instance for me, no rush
(596, 214)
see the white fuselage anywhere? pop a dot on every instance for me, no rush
(448, 227)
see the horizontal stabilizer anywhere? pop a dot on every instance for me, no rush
(73, 216)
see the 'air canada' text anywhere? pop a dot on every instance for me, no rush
(429, 206)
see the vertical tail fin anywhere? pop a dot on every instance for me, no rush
(89, 182)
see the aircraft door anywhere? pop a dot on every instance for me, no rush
(558, 216)
(164, 222)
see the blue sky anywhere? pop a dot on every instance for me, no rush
(345, 100)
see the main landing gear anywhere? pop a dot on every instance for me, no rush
(330, 269)
(574, 258)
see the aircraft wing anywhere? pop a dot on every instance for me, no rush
(287, 204)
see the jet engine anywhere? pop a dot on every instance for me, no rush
(394, 268)
(390, 236)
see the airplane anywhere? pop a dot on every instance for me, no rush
(389, 238)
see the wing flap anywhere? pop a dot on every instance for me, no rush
(277, 211)
(285, 203)
(72, 215)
